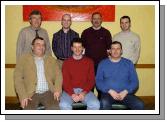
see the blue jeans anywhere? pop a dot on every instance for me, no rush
(90, 100)
(131, 101)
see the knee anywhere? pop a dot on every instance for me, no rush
(93, 105)
(51, 107)
(140, 105)
(65, 106)
(104, 104)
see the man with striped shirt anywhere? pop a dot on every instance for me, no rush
(35, 78)
(62, 40)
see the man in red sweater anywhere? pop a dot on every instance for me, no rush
(78, 79)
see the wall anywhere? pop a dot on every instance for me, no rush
(142, 18)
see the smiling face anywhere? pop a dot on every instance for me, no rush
(39, 47)
(125, 24)
(96, 20)
(77, 49)
(66, 21)
(35, 21)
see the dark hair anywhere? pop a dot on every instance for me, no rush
(116, 42)
(96, 13)
(76, 40)
(33, 41)
(127, 17)
(35, 12)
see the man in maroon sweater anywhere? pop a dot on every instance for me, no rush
(96, 40)
(78, 79)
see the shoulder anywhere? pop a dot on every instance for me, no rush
(134, 34)
(50, 57)
(104, 61)
(126, 61)
(25, 29)
(25, 57)
(42, 29)
(72, 31)
(104, 29)
(87, 30)
(68, 60)
(88, 59)
(116, 35)
(58, 32)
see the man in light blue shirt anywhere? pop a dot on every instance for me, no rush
(117, 80)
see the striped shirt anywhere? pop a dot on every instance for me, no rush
(61, 43)
(42, 84)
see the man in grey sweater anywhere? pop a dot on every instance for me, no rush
(130, 41)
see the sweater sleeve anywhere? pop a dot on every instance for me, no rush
(134, 82)
(54, 44)
(108, 39)
(100, 83)
(48, 49)
(20, 44)
(66, 79)
(83, 37)
(136, 53)
(91, 78)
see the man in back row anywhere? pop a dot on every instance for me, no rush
(27, 34)
(61, 43)
(96, 40)
(130, 41)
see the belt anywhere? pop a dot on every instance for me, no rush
(61, 58)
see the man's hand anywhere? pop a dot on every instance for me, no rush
(75, 97)
(114, 94)
(123, 94)
(82, 96)
(56, 95)
(24, 102)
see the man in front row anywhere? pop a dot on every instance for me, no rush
(78, 79)
(117, 79)
(34, 77)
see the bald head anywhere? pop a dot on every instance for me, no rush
(66, 21)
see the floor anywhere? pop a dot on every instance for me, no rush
(149, 105)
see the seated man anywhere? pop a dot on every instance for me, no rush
(117, 80)
(34, 78)
(78, 79)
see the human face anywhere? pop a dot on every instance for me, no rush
(35, 21)
(77, 49)
(39, 48)
(66, 21)
(96, 20)
(125, 24)
(116, 51)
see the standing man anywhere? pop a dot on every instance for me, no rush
(96, 39)
(61, 43)
(27, 34)
(117, 80)
(130, 41)
(35, 76)
(78, 79)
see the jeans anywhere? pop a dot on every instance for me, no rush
(131, 101)
(90, 100)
